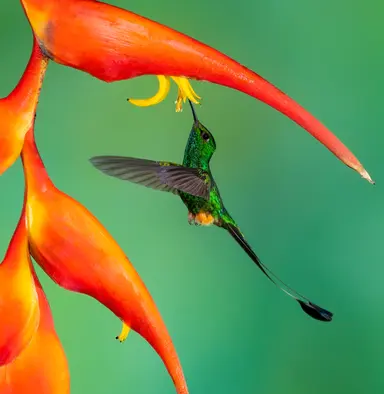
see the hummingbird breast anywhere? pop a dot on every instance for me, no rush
(200, 211)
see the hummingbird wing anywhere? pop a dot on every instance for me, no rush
(308, 307)
(159, 175)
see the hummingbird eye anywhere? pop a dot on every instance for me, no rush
(205, 136)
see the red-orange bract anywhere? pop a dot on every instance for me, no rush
(19, 308)
(42, 367)
(113, 44)
(79, 254)
(17, 110)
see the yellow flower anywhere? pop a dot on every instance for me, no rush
(185, 92)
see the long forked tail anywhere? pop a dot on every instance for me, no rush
(311, 309)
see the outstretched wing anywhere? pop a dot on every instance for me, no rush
(307, 306)
(159, 175)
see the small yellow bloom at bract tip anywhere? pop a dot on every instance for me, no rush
(185, 92)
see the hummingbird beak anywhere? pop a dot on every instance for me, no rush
(193, 112)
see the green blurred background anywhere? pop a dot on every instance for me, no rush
(311, 219)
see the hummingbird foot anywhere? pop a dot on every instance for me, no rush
(124, 333)
(191, 219)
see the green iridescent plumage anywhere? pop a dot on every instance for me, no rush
(194, 183)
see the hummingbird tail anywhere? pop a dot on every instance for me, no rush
(311, 309)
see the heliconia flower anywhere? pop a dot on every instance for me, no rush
(185, 92)
(42, 367)
(79, 254)
(113, 44)
(19, 307)
(17, 110)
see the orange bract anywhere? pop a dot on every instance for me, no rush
(19, 308)
(42, 367)
(17, 111)
(113, 44)
(79, 254)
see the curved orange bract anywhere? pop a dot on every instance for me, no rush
(42, 367)
(113, 44)
(19, 308)
(79, 254)
(17, 111)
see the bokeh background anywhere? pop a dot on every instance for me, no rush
(311, 219)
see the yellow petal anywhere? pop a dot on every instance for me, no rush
(124, 333)
(191, 92)
(179, 101)
(164, 85)
(185, 92)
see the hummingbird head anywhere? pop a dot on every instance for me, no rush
(201, 142)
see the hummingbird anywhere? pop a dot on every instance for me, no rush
(193, 182)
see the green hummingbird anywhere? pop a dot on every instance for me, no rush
(194, 183)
